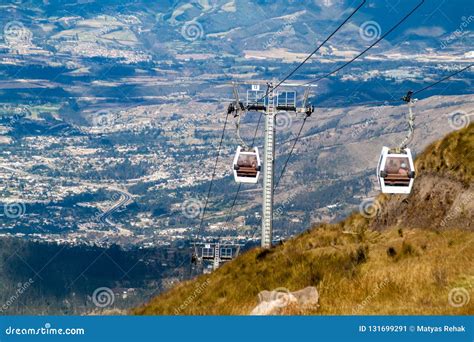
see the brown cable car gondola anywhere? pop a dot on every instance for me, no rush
(247, 165)
(396, 170)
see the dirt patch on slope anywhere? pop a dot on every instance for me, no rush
(444, 203)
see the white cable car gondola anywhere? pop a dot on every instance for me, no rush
(396, 170)
(247, 165)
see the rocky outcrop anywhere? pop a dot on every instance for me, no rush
(444, 202)
(274, 302)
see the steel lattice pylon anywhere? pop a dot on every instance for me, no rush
(268, 172)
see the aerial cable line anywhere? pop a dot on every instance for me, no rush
(441, 80)
(212, 177)
(289, 155)
(370, 47)
(419, 90)
(336, 70)
(392, 101)
(314, 51)
(286, 78)
(240, 184)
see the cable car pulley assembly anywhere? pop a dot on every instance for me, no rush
(246, 164)
(396, 170)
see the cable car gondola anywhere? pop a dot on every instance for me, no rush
(247, 165)
(396, 170)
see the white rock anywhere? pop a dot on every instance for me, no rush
(272, 302)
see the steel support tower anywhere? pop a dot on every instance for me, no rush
(268, 171)
(275, 102)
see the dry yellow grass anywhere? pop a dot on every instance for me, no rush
(453, 155)
(354, 274)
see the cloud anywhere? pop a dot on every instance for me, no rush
(427, 31)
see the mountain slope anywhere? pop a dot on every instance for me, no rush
(380, 265)
(442, 191)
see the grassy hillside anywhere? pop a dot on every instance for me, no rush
(358, 267)
(452, 156)
(442, 197)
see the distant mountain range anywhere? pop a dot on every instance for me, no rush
(103, 52)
